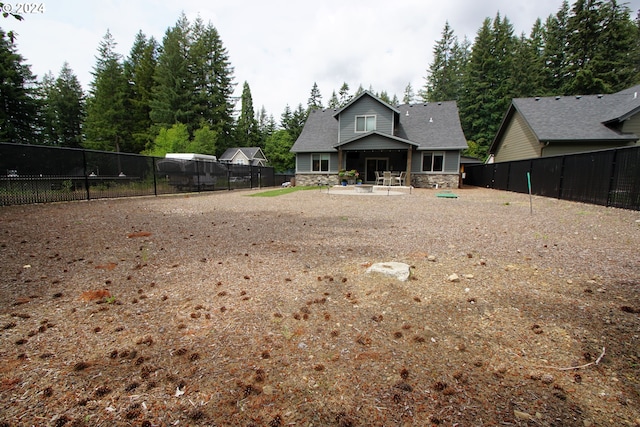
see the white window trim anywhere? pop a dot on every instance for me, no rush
(434, 153)
(328, 162)
(365, 117)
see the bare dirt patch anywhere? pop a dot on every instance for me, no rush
(223, 309)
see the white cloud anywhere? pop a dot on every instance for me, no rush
(279, 47)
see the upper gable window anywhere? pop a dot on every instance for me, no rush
(365, 123)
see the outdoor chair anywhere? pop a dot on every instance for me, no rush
(386, 178)
(400, 179)
(379, 179)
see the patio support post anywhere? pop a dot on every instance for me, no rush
(339, 159)
(408, 176)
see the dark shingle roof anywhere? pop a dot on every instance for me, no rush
(430, 126)
(575, 118)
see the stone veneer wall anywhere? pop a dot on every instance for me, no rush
(417, 180)
(430, 181)
(317, 179)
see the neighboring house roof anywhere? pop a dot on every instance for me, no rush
(575, 118)
(253, 155)
(428, 126)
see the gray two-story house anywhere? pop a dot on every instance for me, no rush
(368, 135)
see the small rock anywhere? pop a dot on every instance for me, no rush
(453, 278)
(431, 258)
(522, 415)
(547, 378)
(267, 390)
(398, 270)
(468, 276)
(587, 423)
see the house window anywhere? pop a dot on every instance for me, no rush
(365, 123)
(320, 162)
(433, 162)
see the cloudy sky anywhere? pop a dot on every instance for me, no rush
(280, 47)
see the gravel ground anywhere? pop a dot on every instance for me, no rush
(229, 310)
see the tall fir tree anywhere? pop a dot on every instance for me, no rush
(409, 95)
(246, 131)
(19, 107)
(293, 121)
(106, 123)
(63, 109)
(315, 98)
(172, 93)
(442, 83)
(528, 64)
(343, 95)
(333, 101)
(555, 57)
(139, 69)
(488, 83)
(213, 86)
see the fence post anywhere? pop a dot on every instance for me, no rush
(86, 175)
(153, 170)
(561, 181)
(612, 176)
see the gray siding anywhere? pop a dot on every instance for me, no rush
(375, 142)
(303, 162)
(451, 161)
(365, 106)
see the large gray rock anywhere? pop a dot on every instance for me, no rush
(398, 270)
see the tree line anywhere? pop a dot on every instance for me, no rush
(177, 95)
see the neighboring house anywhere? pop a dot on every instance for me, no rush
(244, 156)
(541, 127)
(369, 135)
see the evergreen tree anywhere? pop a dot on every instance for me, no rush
(173, 92)
(384, 96)
(554, 54)
(585, 39)
(488, 83)
(139, 69)
(293, 122)
(333, 101)
(343, 94)
(18, 104)
(408, 96)
(315, 99)
(278, 151)
(63, 109)
(441, 82)
(246, 132)
(528, 64)
(266, 126)
(213, 87)
(106, 125)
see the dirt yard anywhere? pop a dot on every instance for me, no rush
(229, 310)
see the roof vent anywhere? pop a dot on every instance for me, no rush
(578, 96)
(430, 119)
(537, 98)
(557, 98)
(599, 96)
(635, 95)
(407, 114)
(439, 103)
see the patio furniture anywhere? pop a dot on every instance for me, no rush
(379, 178)
(386, 178)
(400, 178)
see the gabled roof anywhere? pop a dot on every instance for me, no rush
(354, 100)
(574, 118)
(429, 126)
(249, 152)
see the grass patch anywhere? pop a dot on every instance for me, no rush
(281, 191)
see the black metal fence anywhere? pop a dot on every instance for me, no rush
(608, 177)
(40, 174)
